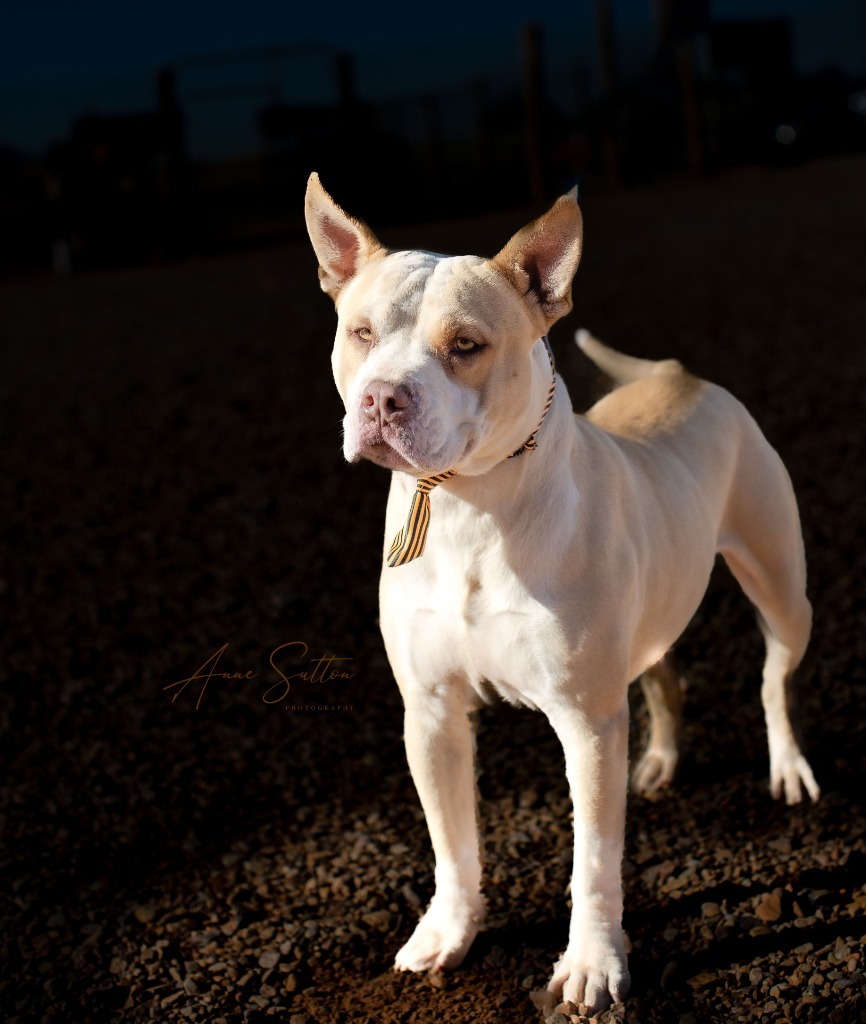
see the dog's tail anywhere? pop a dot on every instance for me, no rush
(620, 368)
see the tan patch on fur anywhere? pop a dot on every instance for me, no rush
(649, 407)
(483, 307)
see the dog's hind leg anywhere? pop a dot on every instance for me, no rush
(788, 765)
(661, 688)
(764, 550)
(786, 633)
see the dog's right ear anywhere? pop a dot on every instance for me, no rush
(342, 243)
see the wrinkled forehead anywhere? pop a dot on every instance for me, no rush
(410, 290)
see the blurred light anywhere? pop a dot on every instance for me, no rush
(786, 134)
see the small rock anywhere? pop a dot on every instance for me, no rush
(144, 913)
(410, 895)
(497, 957)
(543, 1000)
(269, 959)
(769, 906)
(709, 910)
(670, 969)
(702, 979)
(379, 919)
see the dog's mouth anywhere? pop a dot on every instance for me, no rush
(388, 447)
(395, 448)
(383, 454)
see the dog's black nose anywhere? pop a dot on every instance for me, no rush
(387, 403)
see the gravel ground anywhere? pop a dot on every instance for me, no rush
(172, 483)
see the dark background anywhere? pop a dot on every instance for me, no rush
(135, 138)
(172, 482)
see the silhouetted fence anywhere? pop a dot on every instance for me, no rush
(220, 153)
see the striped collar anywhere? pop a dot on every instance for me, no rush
(410, 541)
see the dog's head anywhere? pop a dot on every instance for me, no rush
(433, 356)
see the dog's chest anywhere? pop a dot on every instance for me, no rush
(478, 605)
(481, 622)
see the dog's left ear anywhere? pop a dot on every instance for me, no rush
(342, 243)
(541, 259)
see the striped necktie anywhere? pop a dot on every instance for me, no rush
(410, 541)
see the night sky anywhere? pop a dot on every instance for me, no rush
(54, 52)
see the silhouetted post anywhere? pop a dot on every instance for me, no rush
(607, 55)
(480, 103)
(347, 87)
(677, 21)
(275, 78)
(172, 187)
(532, 104)
(691, 107)
(170, 114)
(432, 143)
(605, 23)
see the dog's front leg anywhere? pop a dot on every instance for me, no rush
(440, 750)
(593, 968)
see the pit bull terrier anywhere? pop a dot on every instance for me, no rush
(546, 557)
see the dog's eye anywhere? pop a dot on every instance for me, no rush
(466, 345)
(364, 334)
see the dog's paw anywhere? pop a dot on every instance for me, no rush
(655, 770)
(442, 937)
(594, 974)
(789, 774)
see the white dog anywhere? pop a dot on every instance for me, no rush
(542, 556)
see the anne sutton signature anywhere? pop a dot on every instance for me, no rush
(327, 669)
